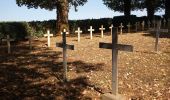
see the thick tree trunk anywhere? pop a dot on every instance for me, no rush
(150, 7)
(167, 11)
(150, 13)
(127, 7)
(62, 16)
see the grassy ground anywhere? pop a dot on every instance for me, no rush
(38, 74)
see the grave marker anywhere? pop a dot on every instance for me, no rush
(143, 25)
(136, 26)
(30, 38)
(8, 40)
(102, 29)
(65, 47)
(78, 31)
(111, 27)
(164, 22)
(48, 35)
(154, 23)
(91, 32)
(158, 30)
(115, 47)
(121, 26)
(128, 27)
(149, 23)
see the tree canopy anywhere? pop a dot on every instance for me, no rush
(123, 5)
(49, 4)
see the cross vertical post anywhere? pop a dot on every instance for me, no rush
(8, 40)
(136, 26)
(114, 63)
(154, 23)
(143, 25)
(91, 32)
(78, 31)
(164, 22)
(128, 27)
(149, 23)
(64, 55)
(102, 29)
(111, 28)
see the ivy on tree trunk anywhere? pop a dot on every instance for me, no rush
(62, 16)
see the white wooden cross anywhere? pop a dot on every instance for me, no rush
(30, 38)
(154, 23)
(136, 24)
(111, 27)
(91, 32)
(65, 46)
(149, 23)
(78, 31)
(164, 23)
(121, 27)
(102, 29)
(128, 27)
(48, 35)
(158, 30)
(8, 40)
(143, 25)
(115, 47)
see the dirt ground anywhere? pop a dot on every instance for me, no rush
(37, 74)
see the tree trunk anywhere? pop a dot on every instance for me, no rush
(150, 13)
(62, 16)
(150, 9)
(127, 7)
(167, 12)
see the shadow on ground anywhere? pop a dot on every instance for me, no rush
(162, 35)
(37, 75)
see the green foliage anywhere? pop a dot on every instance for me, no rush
(123, 5)
(124, 20)
(49, 4)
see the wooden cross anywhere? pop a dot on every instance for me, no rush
(78, 31)
(48, 35)
(30, 38)
(128, 27)
(149, 23)
(121, 26)
(158, 30)
(65, 47)
(102, 29)
(115, 47)
(136, 24)
(8, 40)
(143, 25)
(154, 23)
(91, 32)
(111, 27)
(164, 22)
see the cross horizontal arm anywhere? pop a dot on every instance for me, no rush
(118, 46)
(70, 47)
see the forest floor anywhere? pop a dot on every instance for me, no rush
(38, 73)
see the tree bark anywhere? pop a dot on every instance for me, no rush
(127, 7)
(62, 16)
(150, 9)
(167, 12)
